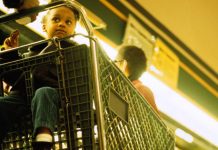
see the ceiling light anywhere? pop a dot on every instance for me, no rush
(183, 111)
(185, 136)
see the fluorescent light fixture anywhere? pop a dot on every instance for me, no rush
(183, 135)
(111, 52)
(154, 69)
(183, 111)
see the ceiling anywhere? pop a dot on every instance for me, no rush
(193, 21)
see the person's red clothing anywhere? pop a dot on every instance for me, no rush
(146, 93)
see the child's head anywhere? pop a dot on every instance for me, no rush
(60, 22)
(132, 60)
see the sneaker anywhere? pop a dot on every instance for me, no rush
(42, 145)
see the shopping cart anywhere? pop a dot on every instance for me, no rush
(99, 107)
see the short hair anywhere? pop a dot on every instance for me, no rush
(136, 60)
(76, 13)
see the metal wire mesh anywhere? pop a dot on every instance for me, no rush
(136, 126)
(75, 129)
(129, 121)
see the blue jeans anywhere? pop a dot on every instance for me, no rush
(44, 109)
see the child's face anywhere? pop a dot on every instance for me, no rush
(59, 22)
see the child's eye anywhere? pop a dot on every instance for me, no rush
(68, 22)
(55, 19)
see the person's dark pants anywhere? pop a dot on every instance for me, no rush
(44, 110)
(12, 108)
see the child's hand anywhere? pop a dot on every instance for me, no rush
(12, 41)
(6, 88)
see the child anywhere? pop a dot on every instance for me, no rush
(133, 62)
(59, 22)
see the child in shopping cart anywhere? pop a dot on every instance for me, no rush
(59, 22)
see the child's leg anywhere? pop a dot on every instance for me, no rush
(12, 108)
(45, 112)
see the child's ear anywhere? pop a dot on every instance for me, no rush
(44, 28)
(125, 68)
